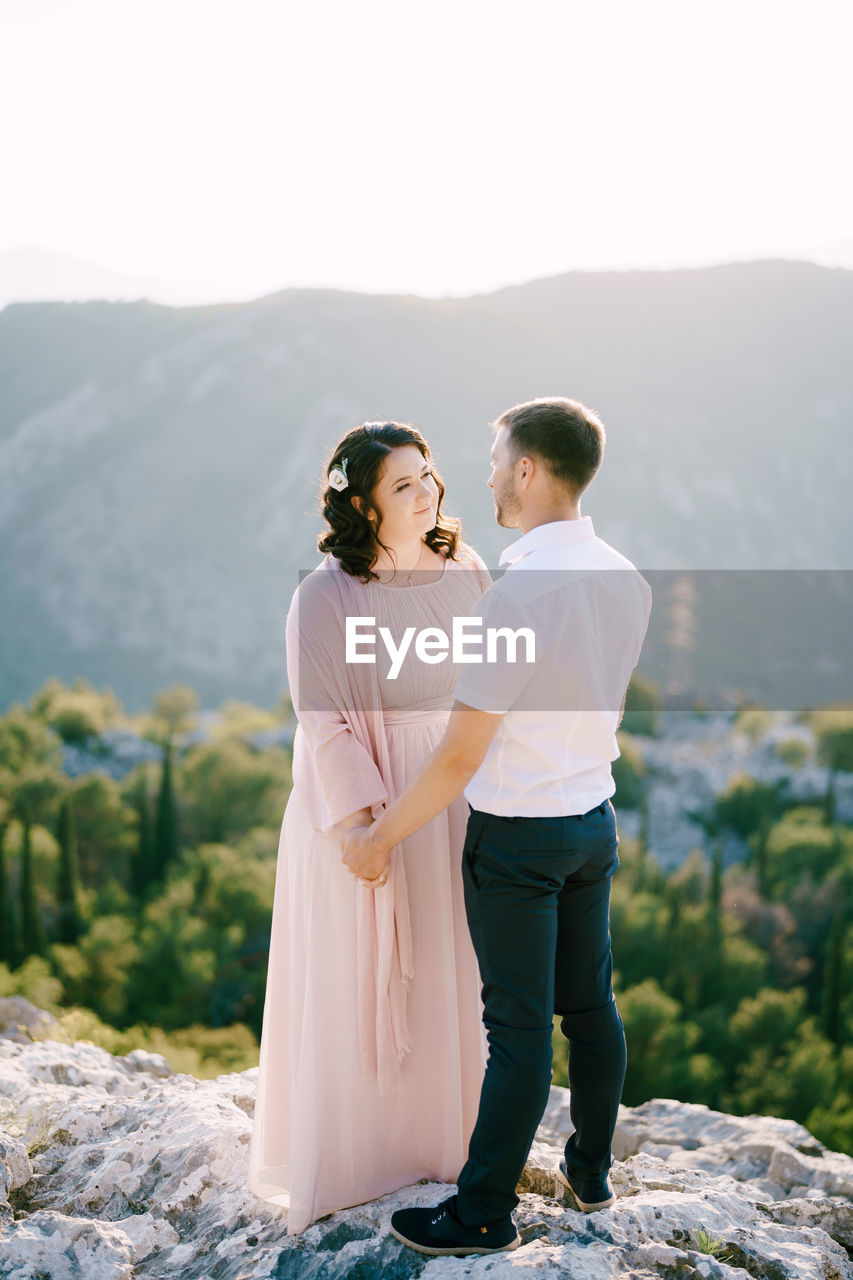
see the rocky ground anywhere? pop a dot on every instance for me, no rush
(116, 1167)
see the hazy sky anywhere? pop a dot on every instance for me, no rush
(444, 147)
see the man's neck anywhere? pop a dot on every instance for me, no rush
(532, 519)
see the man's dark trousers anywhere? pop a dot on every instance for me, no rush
(537, 897)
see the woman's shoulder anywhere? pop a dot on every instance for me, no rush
(326, 585)
(477, 574)
(466, 554)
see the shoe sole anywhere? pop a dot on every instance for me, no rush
(586, 1208)
(460, 1252)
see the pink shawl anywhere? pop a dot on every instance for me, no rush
(340, 765)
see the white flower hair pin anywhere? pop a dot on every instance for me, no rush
(338, 476)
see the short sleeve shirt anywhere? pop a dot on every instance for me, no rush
(578, 611)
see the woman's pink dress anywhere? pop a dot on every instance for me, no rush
(324, 1137)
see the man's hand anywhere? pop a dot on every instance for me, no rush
(444, 775)
(361, 859)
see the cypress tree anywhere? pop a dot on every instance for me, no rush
(714, 956)
(166, 830)
(642, 841)
(715, 895)
(68, 879)
(142, 868)
(760, 838)
(10, 939)
(833, 973)
(32, 925)
(675, 978)
(829, 800)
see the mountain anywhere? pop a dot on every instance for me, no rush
(836, 253)
(159, 467)
(32, 275)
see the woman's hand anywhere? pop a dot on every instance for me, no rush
(361, 818)
(366, 865)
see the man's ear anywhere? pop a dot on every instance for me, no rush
(528, 468)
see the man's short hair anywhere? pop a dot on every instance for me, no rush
(566, 435)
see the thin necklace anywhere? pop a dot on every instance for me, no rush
(412, 572)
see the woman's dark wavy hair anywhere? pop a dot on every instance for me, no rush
(351, 538)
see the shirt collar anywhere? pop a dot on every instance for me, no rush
(554, 533)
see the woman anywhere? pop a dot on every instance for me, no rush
(372, 1050)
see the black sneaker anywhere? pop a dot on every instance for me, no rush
(589, 1193)
(439, 1232)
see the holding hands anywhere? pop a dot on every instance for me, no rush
(366, 864)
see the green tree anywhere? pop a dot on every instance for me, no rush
(793, 751)
(714, 957)
(753, 720)
(243, 720)
(757, 844)
(283, 708)
(744, 971)
(24, 740)
(166, 843)
(35, 980)
(769, 1020)
(799, 848)
(833, 728)
(643, 841)
(204, 939)
(784, 1075)
(33, 933)
(36, 790)
(78, 713)
(175, 713)
(228, 787)
(629, 773)
(746, 803)
(175, 975)
(770, 927)
(234, 896)
(685, 892)
(833, 971)
(97, 971)
(638, 924)
(663, 1061)
(68, 923)
(642, 706)
(829, 801)
(10, 934)
(143, 860)
(105, 825)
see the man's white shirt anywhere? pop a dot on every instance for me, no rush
(588, 607)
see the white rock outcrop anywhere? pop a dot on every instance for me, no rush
(116, 1167)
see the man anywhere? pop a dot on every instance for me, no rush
(532, 745)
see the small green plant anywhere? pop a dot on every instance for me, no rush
(705, 1243)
